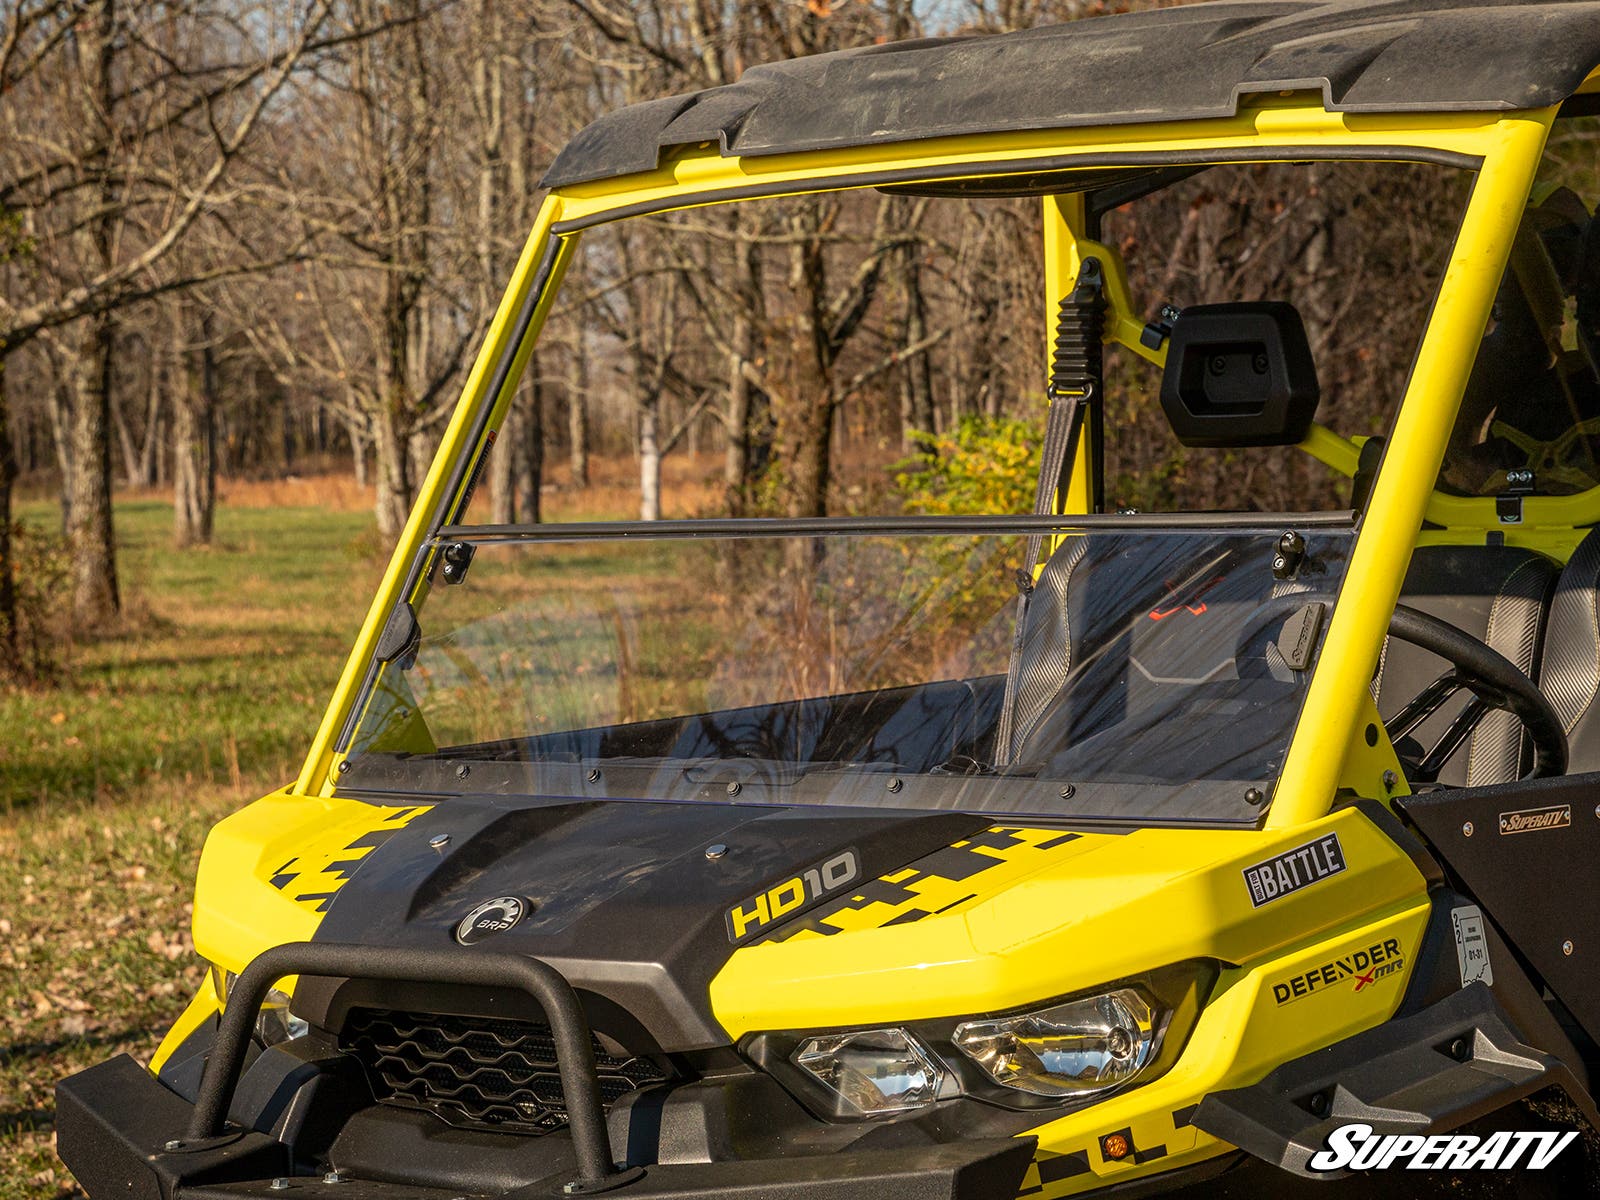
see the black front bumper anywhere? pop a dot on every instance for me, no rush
(302, 1110)
(115, 1122)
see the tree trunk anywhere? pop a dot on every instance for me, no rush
(805, 418)
(10, 662)
(393, 461)
(529, 447)
(59, 402)
(916, 384)
(737, 465)
(194, 447)
(502, 463)
(95, 598)
(91, 542)
(578, 414)
(649, 459)
(353, 425)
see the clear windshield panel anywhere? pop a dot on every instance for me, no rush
(1148, 674)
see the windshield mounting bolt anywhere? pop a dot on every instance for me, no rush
(457, 558)
(1068, 791)
(594, 775)
(1466, 829)
(462, 770)
(716, 851)
(734, 787)
(1254, 796)
(344, 766)
(439, 841)
(1389, 781)
(895, 783)
(1291, 552)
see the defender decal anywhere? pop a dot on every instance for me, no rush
(1532, 820)
(794, 895)
(1366, 967)
(1294, 869)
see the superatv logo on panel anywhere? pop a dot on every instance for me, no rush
(793, 896)
(1294, 869)
(1356, 1147)
(1366, 967)
(1531, 820)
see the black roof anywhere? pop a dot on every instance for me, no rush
(1183, 63)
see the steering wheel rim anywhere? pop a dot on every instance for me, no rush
(1494, 680)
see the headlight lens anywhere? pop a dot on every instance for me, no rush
(274, 1024)
(1072, 1049)
(873, 1070)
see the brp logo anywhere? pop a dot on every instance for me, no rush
(491, 917)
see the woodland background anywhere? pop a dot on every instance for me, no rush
(253, 240)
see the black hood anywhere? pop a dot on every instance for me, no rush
(620, 896)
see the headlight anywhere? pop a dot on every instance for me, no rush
(873, 1070)
(1072, 1049)
(274, 1023)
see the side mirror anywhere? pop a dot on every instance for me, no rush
(1240, 375)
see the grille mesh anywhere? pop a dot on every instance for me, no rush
(476, 1071)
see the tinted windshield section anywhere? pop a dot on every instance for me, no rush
(1146, 674)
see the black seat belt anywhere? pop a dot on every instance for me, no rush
(1076, 375)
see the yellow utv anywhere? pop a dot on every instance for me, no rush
(1225, 829)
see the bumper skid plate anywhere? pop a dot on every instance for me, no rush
(1431, 1072)
(126, 1134)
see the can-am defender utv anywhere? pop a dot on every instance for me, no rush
(1106, 847)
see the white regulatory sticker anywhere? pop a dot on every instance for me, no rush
(1472, 945)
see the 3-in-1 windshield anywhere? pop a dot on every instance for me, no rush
(1144, 674)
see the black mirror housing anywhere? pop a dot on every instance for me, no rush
(1240, 375)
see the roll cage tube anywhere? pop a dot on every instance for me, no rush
(1508, 148)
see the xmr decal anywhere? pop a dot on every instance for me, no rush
(1366, 966)
(1294, 869)
(794, 895)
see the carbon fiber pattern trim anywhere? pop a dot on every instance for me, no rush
(1497, 594)
(1498, 746)
(1046, 651)
(1570, 674)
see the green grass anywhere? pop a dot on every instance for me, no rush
(109, 780)
(228, 657)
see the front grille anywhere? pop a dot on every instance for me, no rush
(479, 1072)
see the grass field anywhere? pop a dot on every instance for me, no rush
(110, 779)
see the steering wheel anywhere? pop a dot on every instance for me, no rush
(1495, 683)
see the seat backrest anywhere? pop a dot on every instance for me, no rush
(1570, 673)
(1498, 594)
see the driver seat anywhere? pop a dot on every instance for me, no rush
(1499, 595)
(1569, 674)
